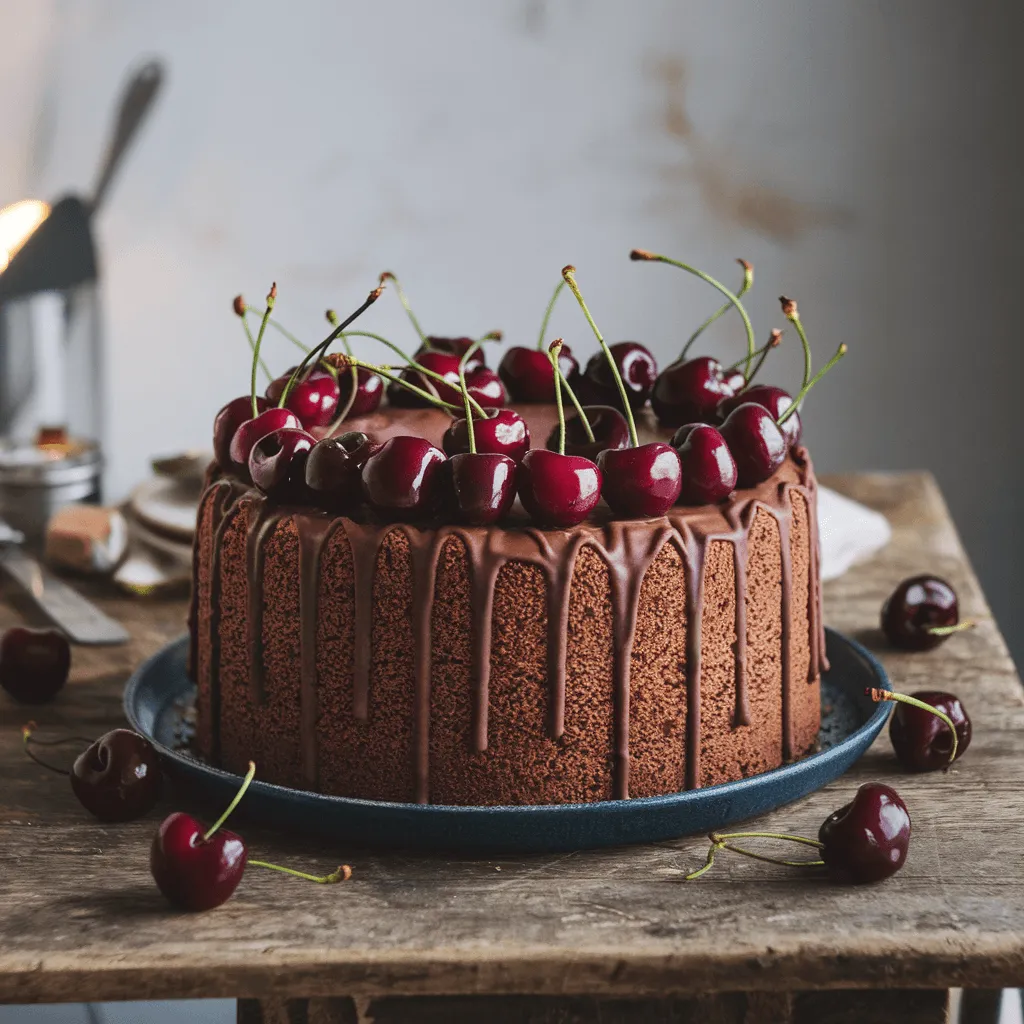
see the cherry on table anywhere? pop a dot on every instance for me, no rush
(775, 400)
(558, 490)
(867, 839)
(637, 368)
(483, 487)
(689, 391)
(118, 777)
(252, 430)
(529, 375)
(226, 424)
(640, 482)
(921, 613)
(403, 479)
(444, 364)
(922, 741)
(756, 442)
(34, 663)
(503, 432)
(277, 463)
(314, 399)
(708, 467)
(607, 424)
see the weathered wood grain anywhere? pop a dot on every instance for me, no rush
(81, 919)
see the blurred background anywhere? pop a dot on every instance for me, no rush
(865, 158)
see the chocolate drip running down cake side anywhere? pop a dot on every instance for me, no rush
(507, 664)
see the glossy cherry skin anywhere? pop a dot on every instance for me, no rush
(118, 777)
(484, 385)
(483, 487)
(608, 425)
(226, 424)
(528, 375)
(867, 840)
(333, 469)
(640, 482)
(191, 873)
(404, 479)
(709, 470)
(636, 366)
(689, 391)
(504, 432)
(755, 441)
(252, 430)
(314, 399)
(775, 400)
(915, 605)
(442, 363)
(922, 741)
(457, 347)
(558, 490)
(734, 379)
(277, 463)
(34, 663)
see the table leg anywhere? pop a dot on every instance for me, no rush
(892, 1006)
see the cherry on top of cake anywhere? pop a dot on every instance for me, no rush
(440, 436)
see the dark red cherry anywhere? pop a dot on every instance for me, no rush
(734, 379)
(193, 873)
(34, 663)
(252, 430)
(487, 388)
(775, 400)
(922, 741)
(277, 463)
(117, 778)
(638, 370)
(333, 470)
(226, 424)
(442, 363)
(504, 432)
(609, 427)
(314, 400)
(689, 391)
(558, 490)
(709, 470)
(640, 482)
(756, 443)
(403, 480)
(483, 487)
(457, 347)
(369, 391)
(528, 374)
(867, 840)
(916, 606)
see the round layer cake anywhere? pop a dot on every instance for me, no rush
(508, 664)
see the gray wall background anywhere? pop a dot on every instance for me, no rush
(863, 155)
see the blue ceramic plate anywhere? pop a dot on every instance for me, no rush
(159, 693)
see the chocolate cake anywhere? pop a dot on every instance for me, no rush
(507, 664)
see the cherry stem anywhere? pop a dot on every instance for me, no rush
(413, 364)
(246, 782)
(643, 254)
(314, 355)
(240, 305)
(554, 351)
(798, 401)
(26, 738)
(792, 314)
(332, 319)
(720, 841)
(547, 314)
(879, 695)
(342, 874)
(958, 627)
(271, 297)
(386, 373)
(748, 280)
(569, 276)
(470, 432)
(583, 418)
(762, 355)
(388, 276)
(280, 328)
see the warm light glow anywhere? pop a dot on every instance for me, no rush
(17, 222)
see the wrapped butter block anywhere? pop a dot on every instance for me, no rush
(86, 538)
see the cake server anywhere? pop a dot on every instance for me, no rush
(78, 617)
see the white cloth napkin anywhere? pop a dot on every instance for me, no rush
(849, 532)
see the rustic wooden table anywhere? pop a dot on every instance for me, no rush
(614, 935)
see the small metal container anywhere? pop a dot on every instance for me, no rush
(37, 480)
